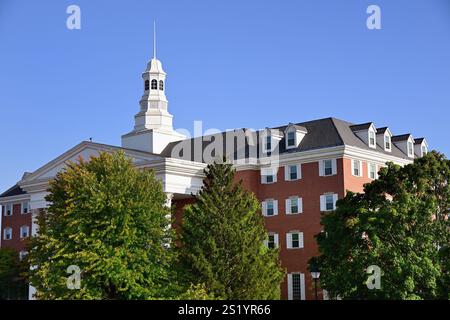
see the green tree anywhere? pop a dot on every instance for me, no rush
(400, 224)
(12, 283)
(109, 219)
(222, 238)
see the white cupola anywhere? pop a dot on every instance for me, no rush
(153, 128)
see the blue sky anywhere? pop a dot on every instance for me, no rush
(230, 64)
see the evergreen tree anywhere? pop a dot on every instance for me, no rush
(110, 220)
(400, 224)
(222, 241)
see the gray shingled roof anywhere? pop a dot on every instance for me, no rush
(382, 130)
(359, 127)
(13, 191)
(322, 133)
(401, 137)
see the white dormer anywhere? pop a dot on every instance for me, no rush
(269, 140)
(293, 135)
(384, 138)
(405, 142)
(367, 133)
(420, 147)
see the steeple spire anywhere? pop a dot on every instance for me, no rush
(154, 39)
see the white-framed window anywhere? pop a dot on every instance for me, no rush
(290, 139)
(7, 233)
(424, 150)
(8, 209)
(24, 232)
(154, 84)
(270, 208)
(387, 142)
(268, 143)
(268, 175)
(25, 207)
(272, 240)
(372, 170)
(327, 167)
(372, 139)
(294, 240)
(22, 254)
(292, 172)
(357, 168)
(294, 205)
(296, 286)
(328, 202)
(410, 149)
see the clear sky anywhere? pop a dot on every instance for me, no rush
(230, 63)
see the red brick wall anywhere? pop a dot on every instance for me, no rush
(15, 222)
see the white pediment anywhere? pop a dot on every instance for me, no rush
(84, 150)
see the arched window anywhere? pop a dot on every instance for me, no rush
(161, 85)
(154, 84)
(147, 85)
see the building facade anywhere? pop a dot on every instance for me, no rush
(297, 171)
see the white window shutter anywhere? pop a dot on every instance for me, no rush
(321, 173)
(302, 286)
(300, 205)
(353, 166)
(263, 178)
(300, 240)
(361, 169)
(264, 208)
(334, 166)
(275, 176)
(288, 206)
(289, 283)
(288, 240)
(286, 173)
(275, 207)
(322, 203)
(266, 243)
(335, 199)
(275, 239)
(299, 171)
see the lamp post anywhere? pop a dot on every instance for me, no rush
(315, 274)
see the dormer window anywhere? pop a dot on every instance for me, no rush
(161, 85)
(268, 144)
(410, 149)
(291, 139)
(424, 150)
(154, 84)
(372, 140)
(387, 142)
(147, 85)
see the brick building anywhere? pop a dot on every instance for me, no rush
(297, 171)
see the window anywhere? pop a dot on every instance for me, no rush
(410, 149)
(8, 209)
(268, 144)
(25, 207)
(22, 254)
(24, 231)
(292, 172)
(424, 150)
(372, 139)
(296, 286)
(270, 207)
(146, 85)
(272, 241)
(328, 167)
(154, 84)
(387, 142)
(328, 202)
(294, 240)
(7, 233)
(291, 139)
(294, 205)
(372, 171)
(268, 175)
(161, 85)
(270, 210)
(269, 179)
(356, 168)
